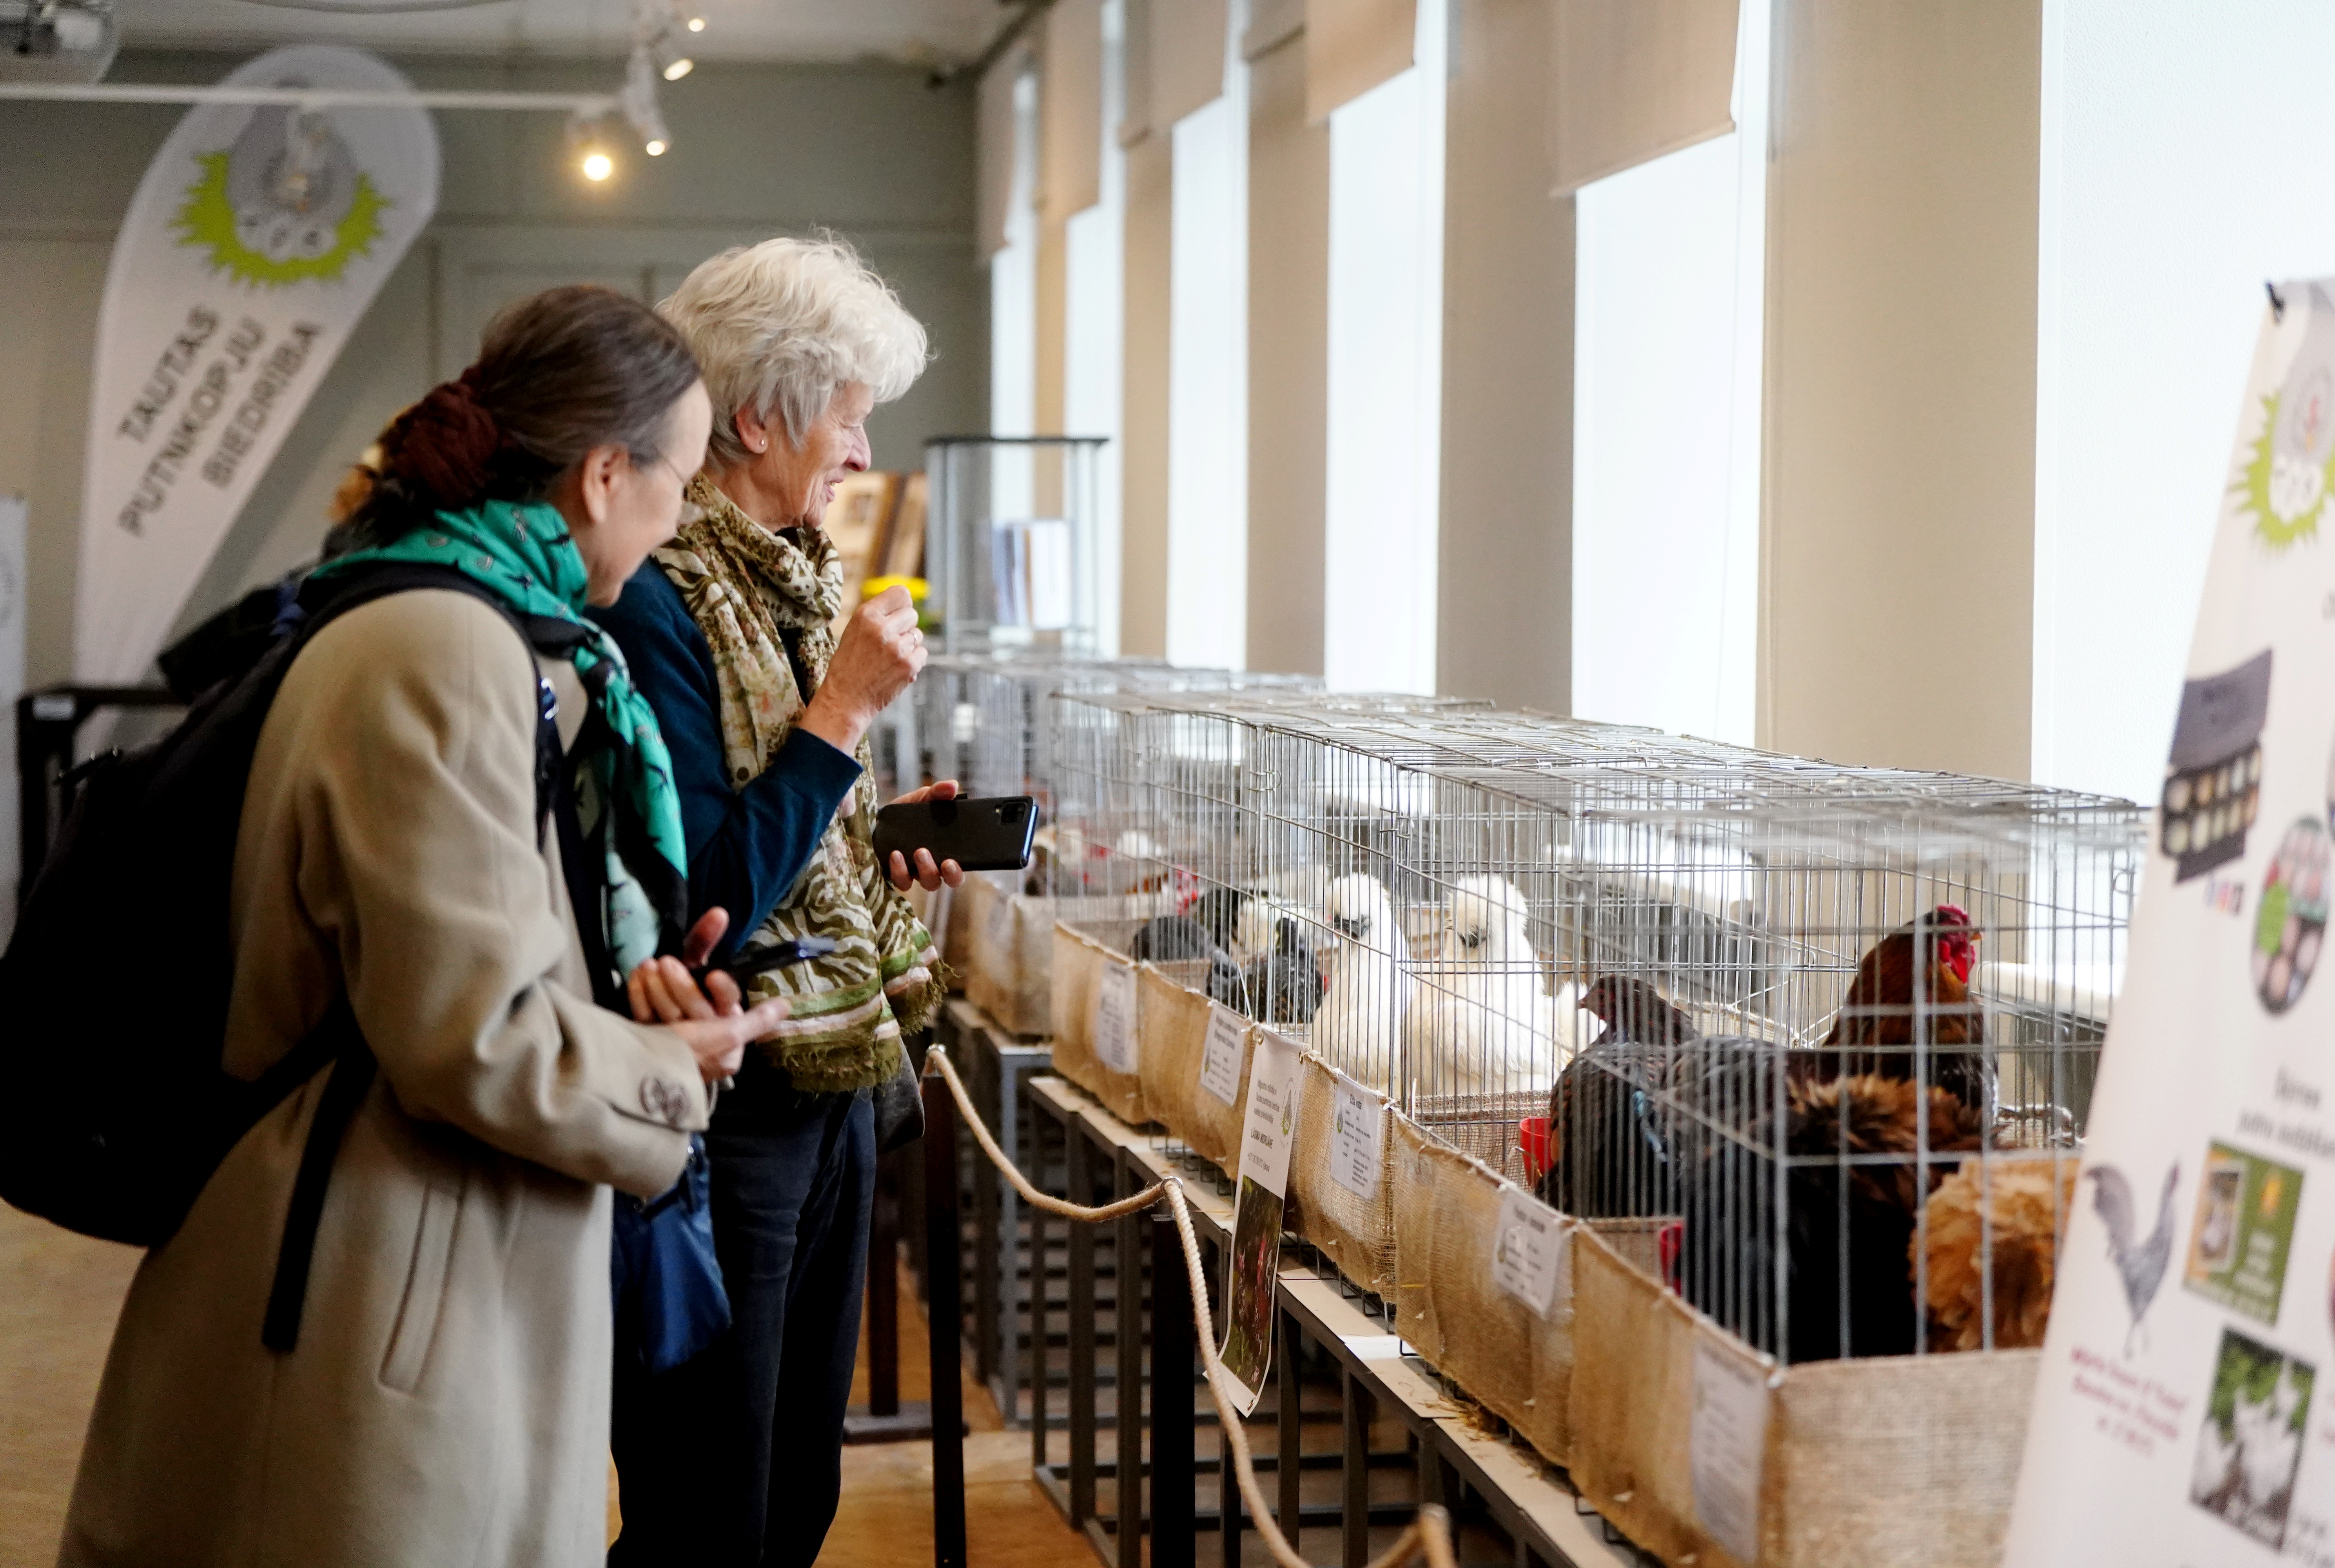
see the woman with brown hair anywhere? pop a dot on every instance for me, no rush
(446, 1399)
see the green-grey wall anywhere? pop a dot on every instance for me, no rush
(869, 152)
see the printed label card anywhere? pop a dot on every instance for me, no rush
(1114, 1016)
(1532, 1250)
(1728, 1447)
(1357, 1138)
(1220, 1057)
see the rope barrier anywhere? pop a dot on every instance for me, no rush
(1429, 1535)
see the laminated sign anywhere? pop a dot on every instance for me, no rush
(1267, 1136)
(2177, 1418)
(257, 238)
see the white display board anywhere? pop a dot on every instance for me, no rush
(2177, 1418)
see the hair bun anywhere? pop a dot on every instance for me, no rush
(444, 446)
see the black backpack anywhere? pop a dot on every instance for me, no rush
(113, 1132)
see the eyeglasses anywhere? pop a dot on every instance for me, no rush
(691, 512)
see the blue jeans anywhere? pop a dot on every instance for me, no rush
(734, 1459)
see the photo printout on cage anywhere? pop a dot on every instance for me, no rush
(1727, 1443)
(1531, 1253)
(1267, 1135)
(1114, 1016)
(1354, 1138)
(1220, 1056)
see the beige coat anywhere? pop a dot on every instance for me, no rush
(447, 1402)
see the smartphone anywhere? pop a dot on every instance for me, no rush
(982, 833)
(777, 955)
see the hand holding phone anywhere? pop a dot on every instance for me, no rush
(777, 955)
(981, 833)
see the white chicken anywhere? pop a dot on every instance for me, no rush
(1483, 1025)
(1368, 982)
(2268, 1446)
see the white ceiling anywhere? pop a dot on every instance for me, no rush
(919, 30)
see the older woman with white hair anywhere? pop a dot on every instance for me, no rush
(734, 1458)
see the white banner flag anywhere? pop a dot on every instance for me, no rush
(254, 244)
(2177, 1417)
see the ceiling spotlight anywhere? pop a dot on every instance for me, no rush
(697, 25)
(655, 147)
(675, 70)
(597, 166)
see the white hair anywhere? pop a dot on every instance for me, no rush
(786, 325)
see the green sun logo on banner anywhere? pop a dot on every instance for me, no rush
(286, 204)
(2286, 494)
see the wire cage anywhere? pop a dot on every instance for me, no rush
(1843, 1048)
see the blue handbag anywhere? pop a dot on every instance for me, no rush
(669, 1300)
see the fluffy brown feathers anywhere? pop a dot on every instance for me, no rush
(2015, 1207)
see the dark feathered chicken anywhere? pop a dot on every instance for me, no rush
(1284, 985)
(1180, 939)
(1609, 1153)
(1862, 1152)
(1880, 1029)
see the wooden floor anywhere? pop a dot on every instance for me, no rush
(59, 1294)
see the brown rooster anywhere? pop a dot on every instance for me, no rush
(2011, 1212)
(1879, 1012)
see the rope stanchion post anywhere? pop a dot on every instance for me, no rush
(1290, 1432)
(1128, 1258)
(1428, 1537)
(1174, 1519)
(1078, 1158)
(943, 1292)
(1354, 1515)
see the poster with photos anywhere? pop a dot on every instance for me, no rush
(2175, 1419)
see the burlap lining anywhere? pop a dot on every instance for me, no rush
(1517, 1364)
(1901, 1461)
(1355, 1233)
(1174, 1042)
(1009, 955)
(1078, 965)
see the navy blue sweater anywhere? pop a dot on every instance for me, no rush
(747, 843)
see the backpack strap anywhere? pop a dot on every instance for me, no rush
(338, 1039)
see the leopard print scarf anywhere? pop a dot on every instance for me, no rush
(745, 588)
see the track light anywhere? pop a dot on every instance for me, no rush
(697, 25)
(595, 158)
(654, 147)
(597, 166)
(675, 69)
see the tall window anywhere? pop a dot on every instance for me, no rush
(2179, 171)
(1013, 315)
(1207, 376)
(1095, 324)
(1386, 382)
(1669, 288)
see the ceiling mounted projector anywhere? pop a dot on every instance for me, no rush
(56, 40)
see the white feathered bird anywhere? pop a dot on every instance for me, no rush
(1369, 982)
(1485, 1025)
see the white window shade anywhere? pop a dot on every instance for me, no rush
(996, 133)
(1635, 78)
(1351, 46)
(1070, 108)
(1187, 57)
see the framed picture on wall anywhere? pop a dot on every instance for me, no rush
(856, 520)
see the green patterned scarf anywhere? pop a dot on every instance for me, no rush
(523, 552)
(747, 587)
